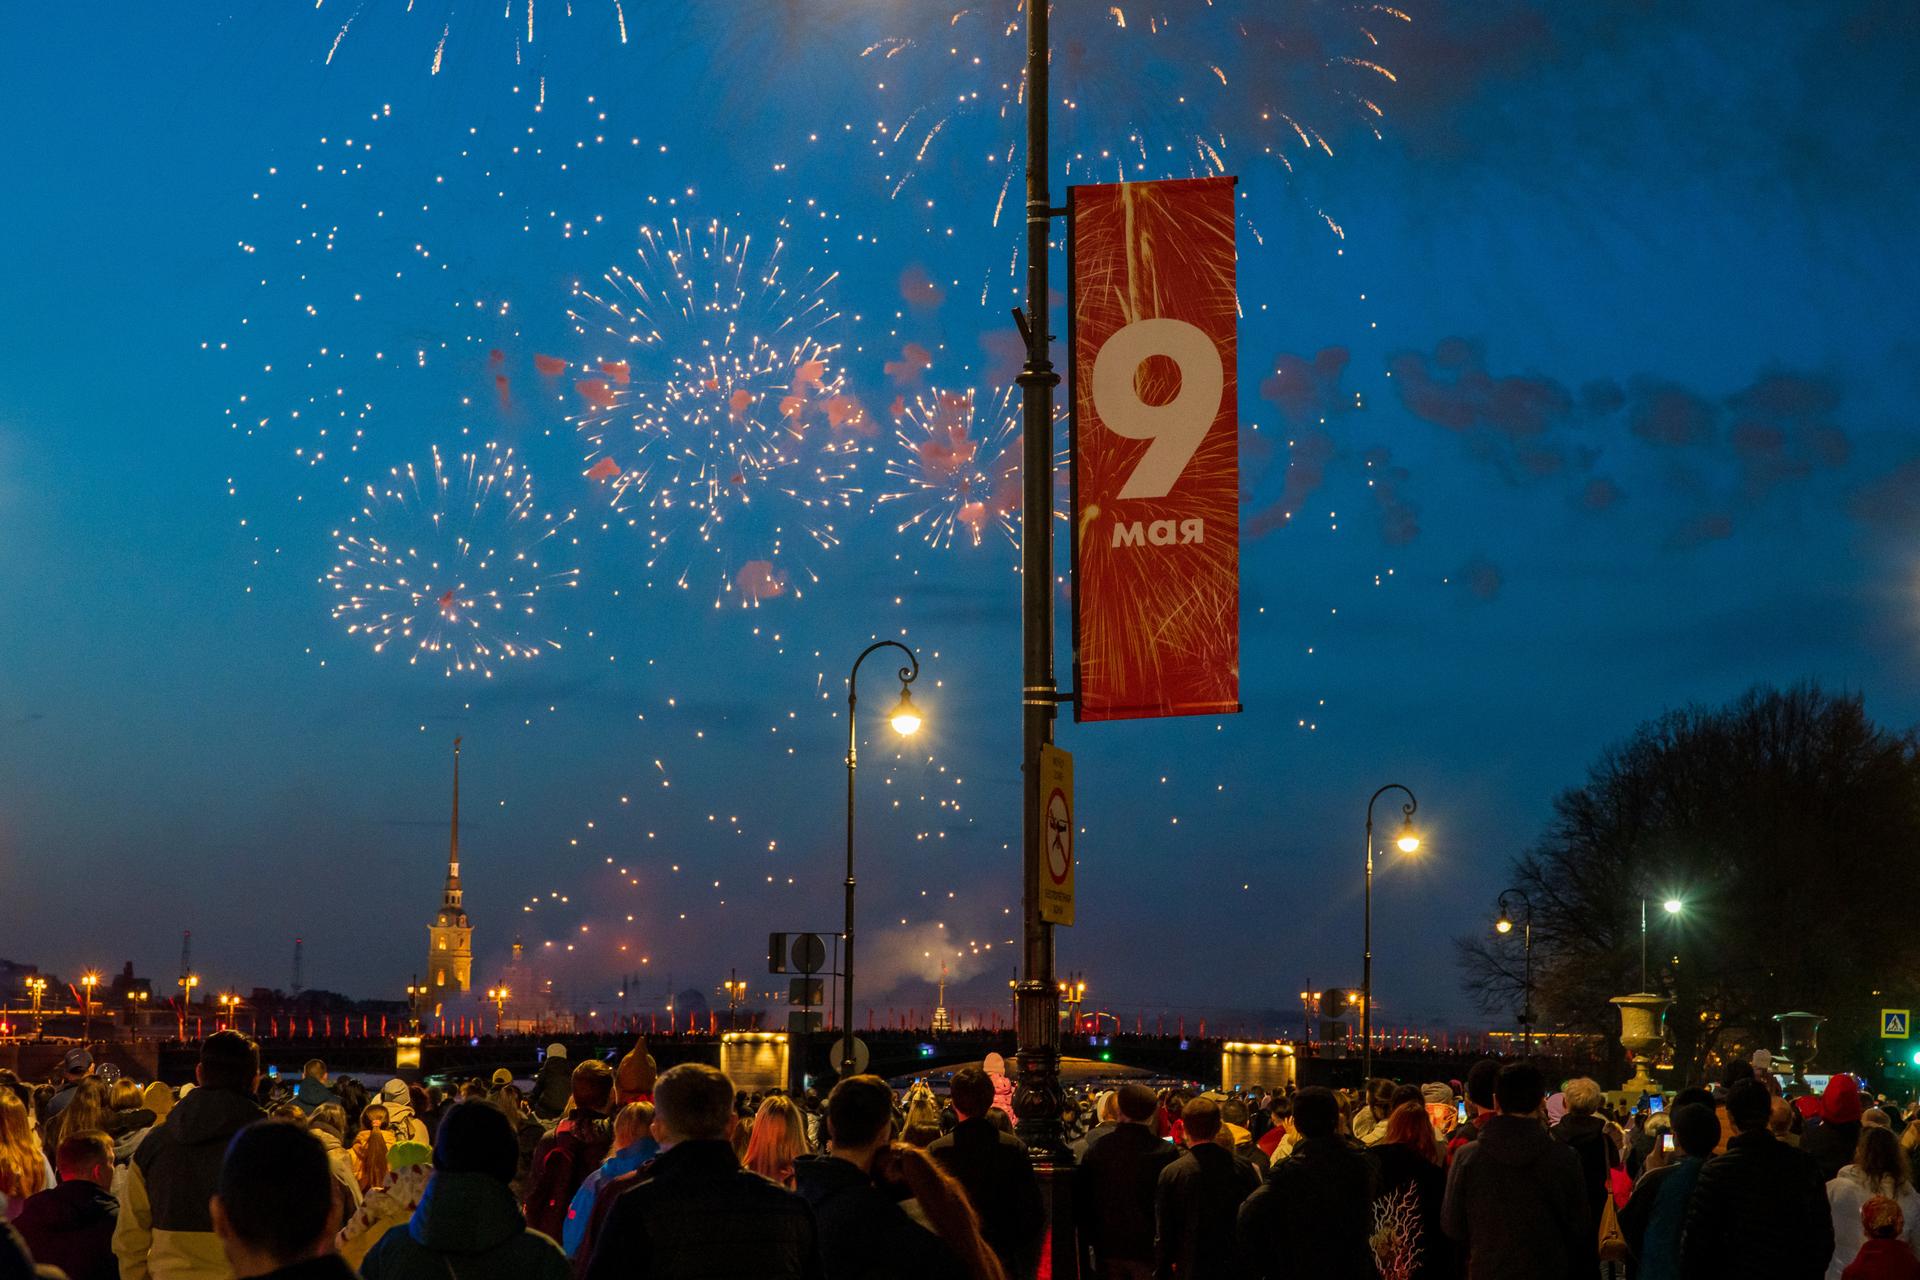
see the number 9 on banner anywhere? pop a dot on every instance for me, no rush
(1175, 428)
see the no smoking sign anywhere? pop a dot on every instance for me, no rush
(1056, 836)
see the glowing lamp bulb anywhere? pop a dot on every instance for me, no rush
(1503, 925)
(906, 718)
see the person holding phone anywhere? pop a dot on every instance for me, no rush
(1657, 1210)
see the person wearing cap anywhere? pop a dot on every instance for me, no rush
(633, 1078)
(272, 1208)
(553, 1083)
(467, 1223)
(76, 1066)
(409, 1165)
(165, 1230)
(564, 1158)
(1113, 1186)
(402, 1122)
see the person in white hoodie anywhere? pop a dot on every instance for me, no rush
(1879, 1168)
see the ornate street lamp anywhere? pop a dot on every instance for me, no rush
(1503, 926)
(1408, 841)
(905, 718)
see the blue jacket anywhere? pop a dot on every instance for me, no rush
(1654, 1216)
(580, 1212)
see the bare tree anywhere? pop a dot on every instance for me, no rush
(1787, 822)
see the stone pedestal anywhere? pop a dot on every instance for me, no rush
(1643, 1017)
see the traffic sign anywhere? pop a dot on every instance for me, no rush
(805, 992)
(809, 953)
(802, 1023)
(1056, 836)
(776, 953)
(1895, 1024)
(838, 1055)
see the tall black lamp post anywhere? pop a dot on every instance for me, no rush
(906, 721)
(1408, 841)
(1503, 926)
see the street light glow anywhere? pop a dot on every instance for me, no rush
(1673, 906)
(1503, 924)
(906, 717)
(1409, 840)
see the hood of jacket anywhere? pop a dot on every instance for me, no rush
(466, 1213)
(1576, 1127)
(1512, 1140)
(1856, 1177)
(72, 1206)
(328, 1138)
(131, 1120)
(210, 1115)
(1840, 1104)
(310, 1093)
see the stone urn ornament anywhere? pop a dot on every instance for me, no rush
(1799, 1045)
(1643, 1023)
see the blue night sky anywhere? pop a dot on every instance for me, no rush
(1582, 390)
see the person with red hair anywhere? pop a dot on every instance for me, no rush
(1412, 1175)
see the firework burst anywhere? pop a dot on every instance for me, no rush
(523, 22)
(959, 459)
(449, 566)
(1204, 87)
(720, 422)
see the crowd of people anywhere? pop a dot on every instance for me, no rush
(601, 1170)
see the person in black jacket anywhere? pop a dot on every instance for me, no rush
(1197, 1200)
(998, 1177)
(553, 1083)
(1412, 1181)
(1113, 1188)
(1760, 1209)
(1516, 1203)
(273, 1207)
(1585, 1131)
(1314, 1214)
(695, 1212)
(865, 1234)
(71, 1226)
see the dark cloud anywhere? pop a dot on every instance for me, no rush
(1601, 494)
(1712, 527)
(1399, 517)
(1719, 456)
(1306, 390)
(1482, 578)
(1307, 393)
(1891, 503)
(1666, 413)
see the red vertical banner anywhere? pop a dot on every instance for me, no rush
(1156, 458)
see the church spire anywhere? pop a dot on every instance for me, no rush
(452, 899)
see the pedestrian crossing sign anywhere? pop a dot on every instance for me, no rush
(1894, 1023)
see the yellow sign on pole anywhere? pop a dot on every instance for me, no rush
(1896, 1024)
(1056, 836)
